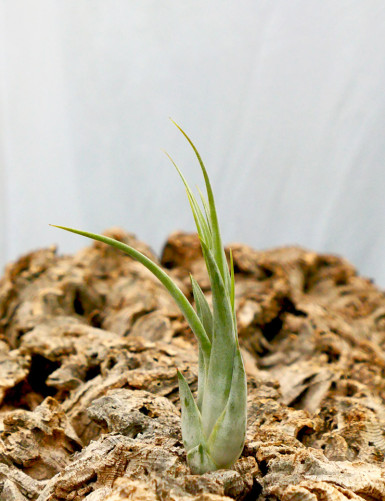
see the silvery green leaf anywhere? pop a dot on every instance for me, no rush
(217, 246)
(232, 289)
(200, 221)
(227, 438)
(202, 377)
(206, 207)
(191, 417)
(203, 308)
(220, 369)
(206, 317)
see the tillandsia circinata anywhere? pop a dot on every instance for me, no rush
(213, 426)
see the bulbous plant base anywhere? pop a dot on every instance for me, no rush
(88, 356)
(199, 461)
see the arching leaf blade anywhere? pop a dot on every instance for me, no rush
(200, 222)
(217, 241)
(178, 296)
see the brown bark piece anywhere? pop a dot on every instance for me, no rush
(14, 368)
(40, 442)
(89, 348)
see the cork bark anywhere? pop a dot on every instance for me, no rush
(89, 346)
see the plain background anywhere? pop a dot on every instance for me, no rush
(284, 99)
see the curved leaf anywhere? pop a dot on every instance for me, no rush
(180, 299)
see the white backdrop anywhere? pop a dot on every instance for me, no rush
(284, 99)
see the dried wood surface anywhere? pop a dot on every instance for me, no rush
(89, 348)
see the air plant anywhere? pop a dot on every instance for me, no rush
(213, 426)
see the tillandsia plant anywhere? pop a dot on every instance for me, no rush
(213, 426)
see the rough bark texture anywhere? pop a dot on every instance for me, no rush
(88, 389)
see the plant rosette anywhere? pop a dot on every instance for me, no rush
(213, 425)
